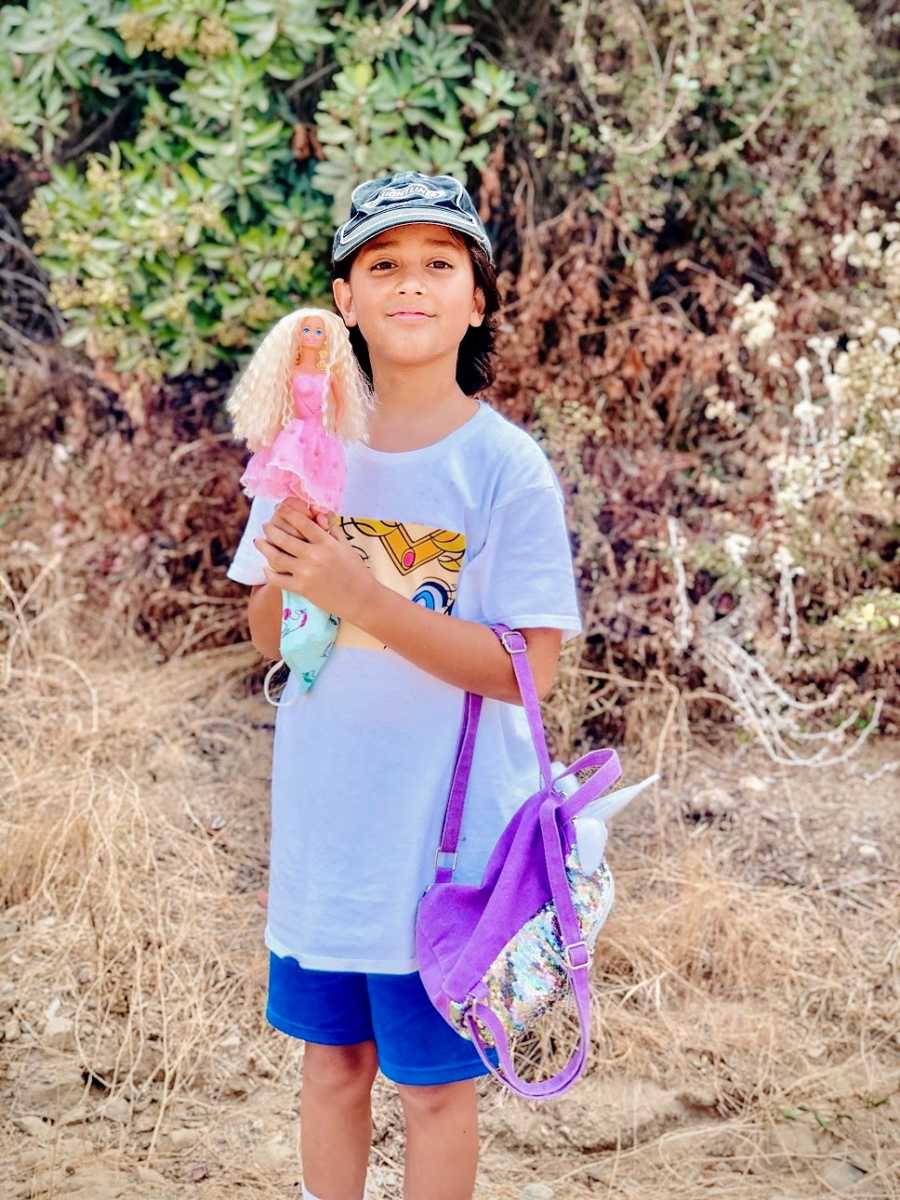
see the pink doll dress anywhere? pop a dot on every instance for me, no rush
(304, 460)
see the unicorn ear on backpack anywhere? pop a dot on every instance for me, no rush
(590, 824)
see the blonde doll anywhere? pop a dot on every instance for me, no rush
(300, 399)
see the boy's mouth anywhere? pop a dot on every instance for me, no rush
(410, 314)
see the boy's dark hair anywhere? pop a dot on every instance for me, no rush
(474, 366)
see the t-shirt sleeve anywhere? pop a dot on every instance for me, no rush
(524, 571)
(248, 563)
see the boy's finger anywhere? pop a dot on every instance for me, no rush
(285, 533)
(304, 526)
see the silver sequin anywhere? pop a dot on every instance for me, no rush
(528, 976)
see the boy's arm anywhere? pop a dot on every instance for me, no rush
(463, 653)
(323, 567)
(264, 616)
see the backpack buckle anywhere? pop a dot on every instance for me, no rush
(445, 854)
(505, 633)
(567, 955)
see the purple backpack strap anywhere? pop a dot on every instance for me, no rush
(514, 643)
(575, 952)
(578, 964)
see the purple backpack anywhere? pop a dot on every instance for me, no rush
(495, 957)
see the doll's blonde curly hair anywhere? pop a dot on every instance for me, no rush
(260, 405)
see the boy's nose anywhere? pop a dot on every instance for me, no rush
(409, 282)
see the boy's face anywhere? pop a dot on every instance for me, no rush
(412, 293)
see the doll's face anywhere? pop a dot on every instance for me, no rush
(411, 291)
(312, 332)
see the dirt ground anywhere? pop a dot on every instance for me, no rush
(746, 989)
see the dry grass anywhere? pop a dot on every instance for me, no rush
(747, 987)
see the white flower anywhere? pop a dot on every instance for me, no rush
(760, 335)
(805, 410)
(834, 385)
(736, 547)
(801, 366)
(890, 336)
(744, 295)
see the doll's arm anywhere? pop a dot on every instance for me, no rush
(336, 406)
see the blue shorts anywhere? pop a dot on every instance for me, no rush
(337, 1008)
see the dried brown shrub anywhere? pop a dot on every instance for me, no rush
(144, 516)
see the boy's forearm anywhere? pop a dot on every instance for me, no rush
(465, 654)
(264, 616)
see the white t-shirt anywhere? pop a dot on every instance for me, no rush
(472, 525)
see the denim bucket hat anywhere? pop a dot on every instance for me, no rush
(403, 199)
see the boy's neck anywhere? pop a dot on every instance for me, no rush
(416, 406)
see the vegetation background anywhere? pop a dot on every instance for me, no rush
(694, 208)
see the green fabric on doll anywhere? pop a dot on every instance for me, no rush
(308, 634)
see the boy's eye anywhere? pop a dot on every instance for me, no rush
(383, 262)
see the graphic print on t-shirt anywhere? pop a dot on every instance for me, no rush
(418, 561)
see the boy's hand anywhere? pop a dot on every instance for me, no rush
(315, 562)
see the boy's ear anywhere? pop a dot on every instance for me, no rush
(476, 317)
(343, 298)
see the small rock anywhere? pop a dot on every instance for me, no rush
(75, 1147)
(198, 1172)
(753, 783)
(59, 1033)
(94, 1181)
(867, 850)
(148, 1175)
(258, 1064)
(537, 1191)
(146, 1120)
(273, 1154)
(79, 1114)
(12, 1030)
(700, 1098)
(118, 1109)
(31, 1157)
(709, 802)
(52, 1089)
(216, 823)
(789, 1140)
(33, 1126)
(179, 1138)
(235, 1085)
(842, 1175)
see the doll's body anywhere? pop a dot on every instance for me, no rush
(301, 399)
(304, 460)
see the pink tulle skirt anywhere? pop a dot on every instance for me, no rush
(304, 460)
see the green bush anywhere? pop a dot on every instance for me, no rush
(209, 216)
(678, 105)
